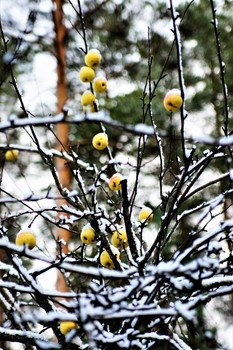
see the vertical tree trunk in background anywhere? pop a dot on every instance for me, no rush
(62, 130)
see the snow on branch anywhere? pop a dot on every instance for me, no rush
(101, 117)
(147, 234)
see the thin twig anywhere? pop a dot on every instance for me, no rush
(221, 66)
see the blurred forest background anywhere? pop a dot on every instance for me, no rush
(138, 53)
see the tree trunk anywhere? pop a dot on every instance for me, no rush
(62, 129)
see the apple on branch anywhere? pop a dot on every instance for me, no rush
(88, 98)
(12, 155)
(100, 84)
(88, 234)
(115, 182)
(119, 239)
(105, 258)
(93, 58)
(26, 237)
(100, 141)
(145, 215)
(67, 326)
(86, 74)
(173, 100)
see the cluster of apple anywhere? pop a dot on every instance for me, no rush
(98, 85)
(172, 102)
(87, 75)
(119, 239)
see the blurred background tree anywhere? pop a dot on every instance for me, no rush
(127, 35)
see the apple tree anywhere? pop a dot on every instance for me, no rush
(146, 241)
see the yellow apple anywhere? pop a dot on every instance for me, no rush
(26, 237)
(93, 58)
(115, 182)
(100, 85)
(100, 141)
(173, 100)
(88, 98)
(66, 326)
(119, 239)
(145, 215)
(105, 258)
(12, 155)
(86, 74)
(87, 234)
